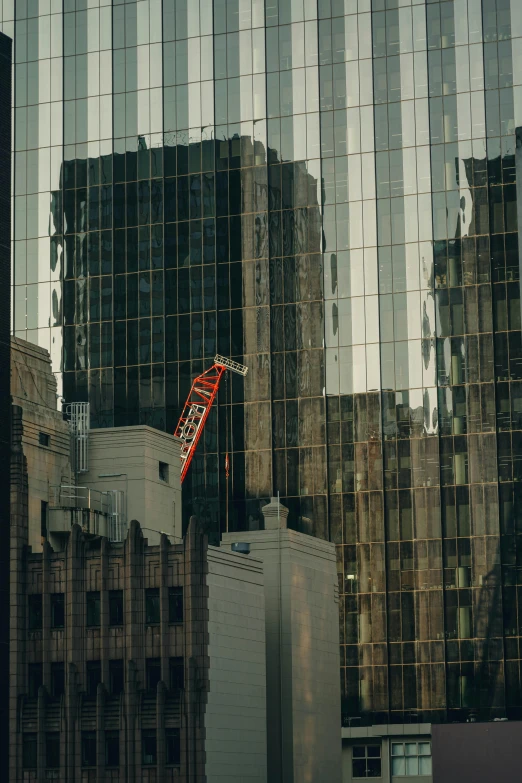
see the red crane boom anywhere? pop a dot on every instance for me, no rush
(198, 405)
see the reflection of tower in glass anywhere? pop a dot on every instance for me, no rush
(159, 276)
(328, 195)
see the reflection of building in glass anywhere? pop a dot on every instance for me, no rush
(325, 192)
(190, 277)
(5, 394)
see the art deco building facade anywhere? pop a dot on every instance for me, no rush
(325, 191)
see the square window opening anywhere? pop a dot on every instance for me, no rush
(29, 751)
(163, 471)
(52, 750)
(177, 674)
(175, 604)
(93, 670)
(148, 747)
(115, 607)
(173, 747)
(57, 680)
(152, 606)
(410, 759)
(112, 748)
(116, 677)
(35, 679)
(88, 749)
(153, 672)
(35, 611)
(93, 609)
(366, 761)
(57, 610)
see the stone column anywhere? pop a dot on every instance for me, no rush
(100, 733)
(18, 589)
(104, 611)
(195, 612)
(134, 619)
(164, 608)
(74, 643)
(40, 737)
(161, 695)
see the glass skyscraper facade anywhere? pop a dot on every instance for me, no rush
(5, 391)
(325, 191)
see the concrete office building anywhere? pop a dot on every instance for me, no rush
(326, 191)
(5, 402)
(302, 649)
(137, 654)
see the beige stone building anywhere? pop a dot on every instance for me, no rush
(117, 629)
(141, 655)
(46, 439)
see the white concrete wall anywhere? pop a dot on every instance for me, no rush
(135, 452)
(235, 718)
(302, 643)
(309, 585)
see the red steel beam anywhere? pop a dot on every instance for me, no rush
(195, 413)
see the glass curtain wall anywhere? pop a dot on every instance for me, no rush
(326, 191)
(5, 376)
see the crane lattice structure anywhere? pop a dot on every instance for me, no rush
(198, 405)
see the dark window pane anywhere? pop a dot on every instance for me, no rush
(153, 670)
(43, 518)
(52, 750)
(359, 768)
(116, 678)
(29, 751)
(152, 606)
(57, 679)
(35, 611)
(177, 674)
(175, 604)
(112, 748)
(93, 678)
(116, 607)
(88, 749)
(35, 679)
(374, 768)
(172, 743)
(93, 609)
(57, 610)
(148, 746)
